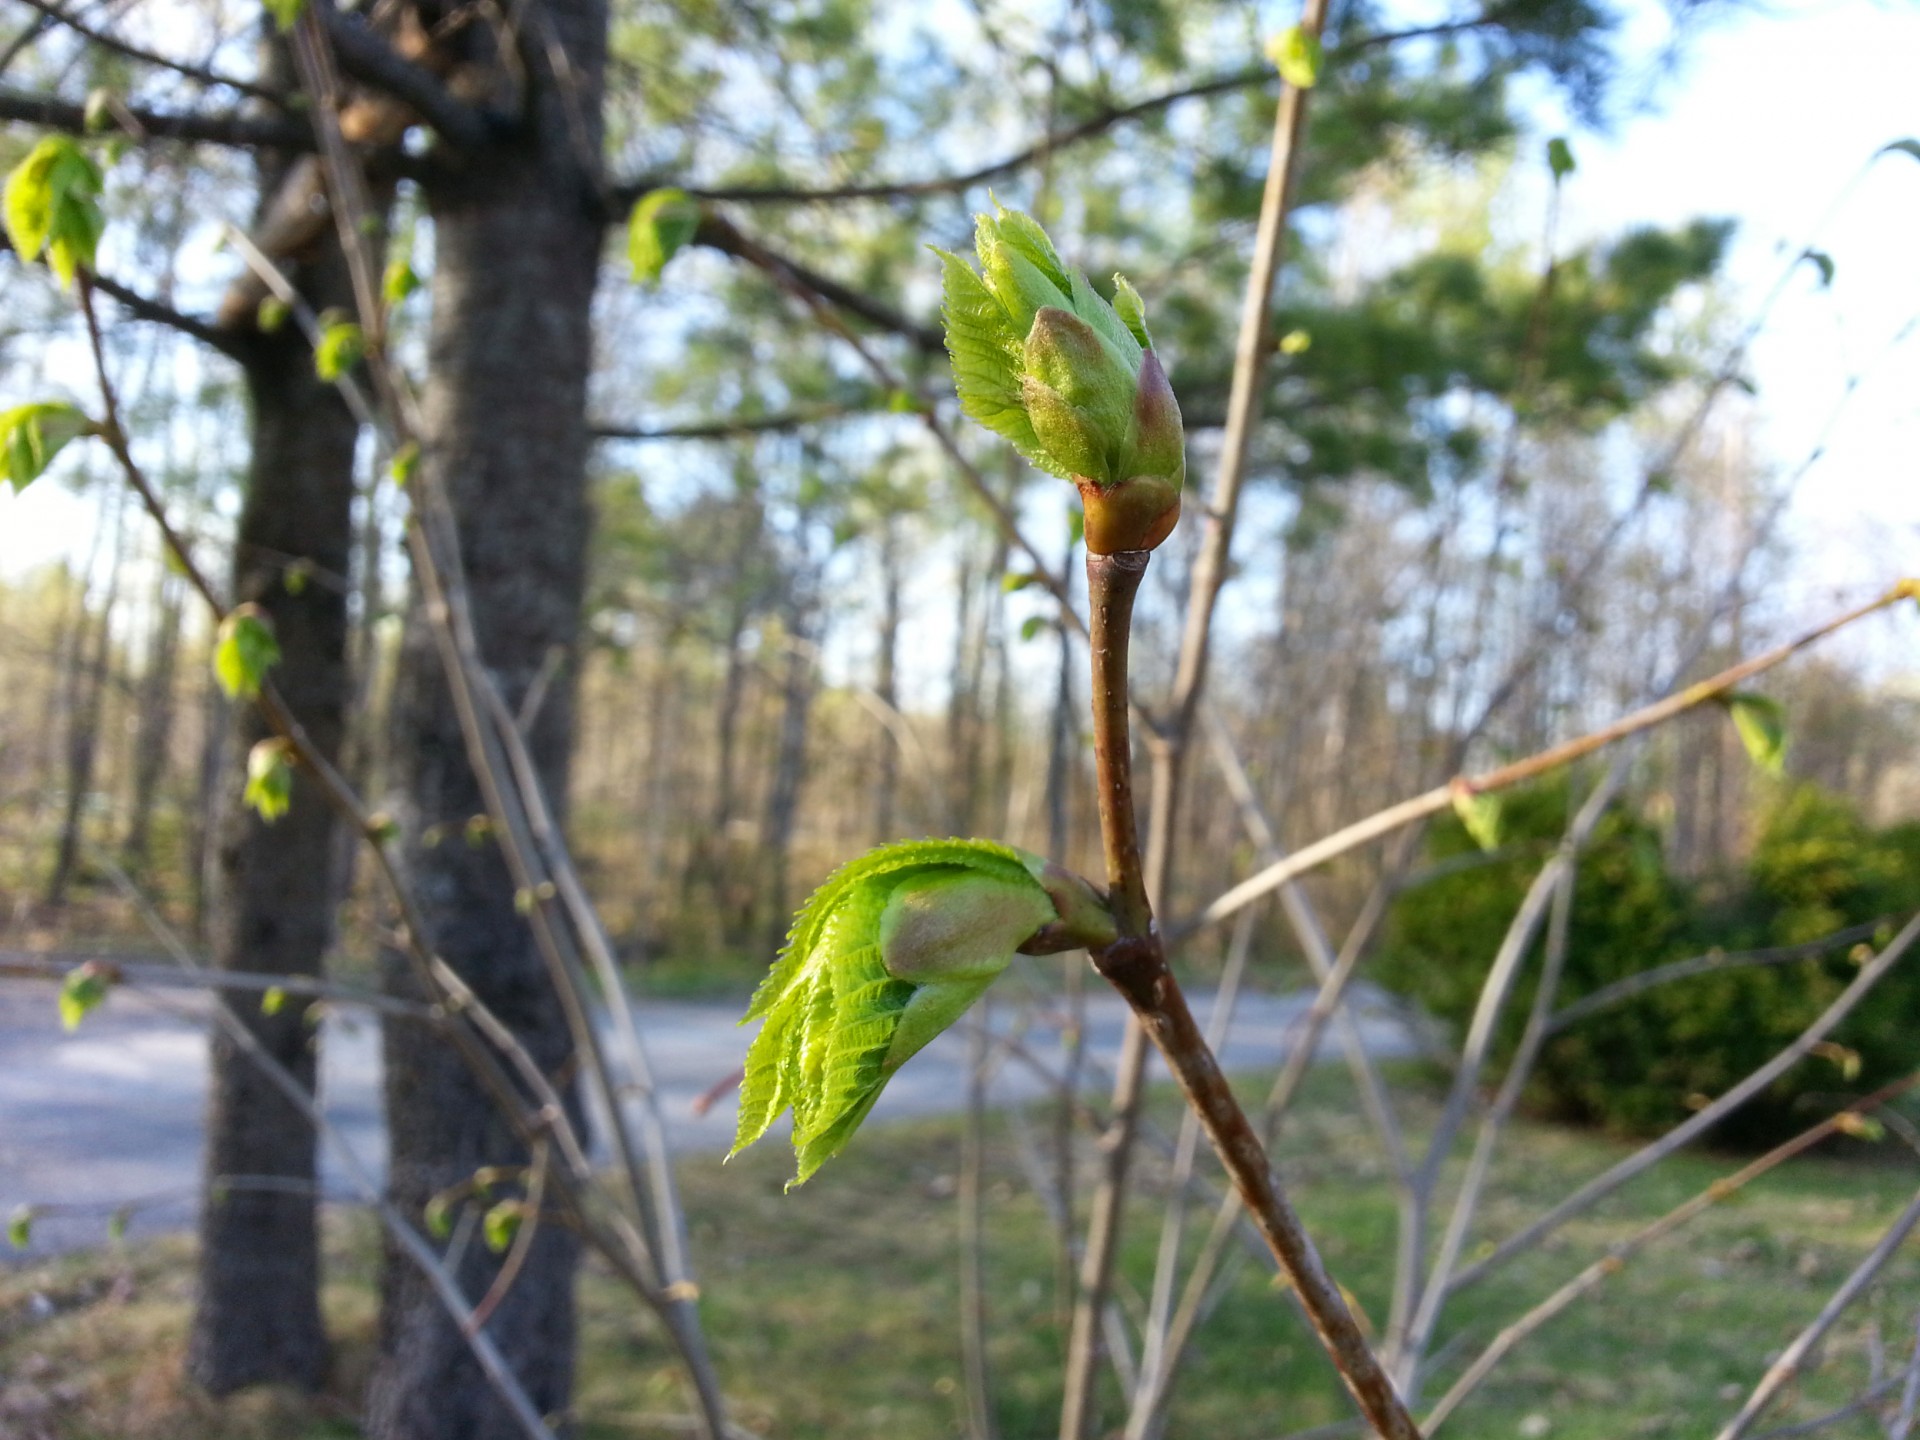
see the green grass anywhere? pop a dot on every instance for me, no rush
(833, 1309)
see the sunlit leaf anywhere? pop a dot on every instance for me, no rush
(661, 223)
(244, 651)
(269, 789)
(31, 435)
(501, 1223)
(884, 956)
(1762, 727)
(1559, 158)
(1481, 814)
(52, 206)
(339, 348)
(1296, 52)
(84, 987)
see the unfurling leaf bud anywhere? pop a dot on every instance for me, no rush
(1041, 358)
(884, 956)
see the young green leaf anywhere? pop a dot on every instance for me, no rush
(439, 1216)
(270, 778)
(1480, 813)
(399, 281)
(244, 651)
(271, 314)
(52, 206)
(20, 1227)
(1823, 263)
(31, 435)
(285, 12)
(1069, 379)
(662, 221)
(1297, 53)
(84, 987)
(1032, 626)
(272, 1001)
(1559, 158)
(884, 956)
(501, 1223)
(1762, 727)
(403, 462)
(339, 348)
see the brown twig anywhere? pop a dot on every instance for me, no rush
(1136, 966)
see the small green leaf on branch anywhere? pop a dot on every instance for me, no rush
(1823, 263)
(1032, 626)
(1762, 727)
(272, 1000)
(269, 789)
(1297, 54)
(285, 12)
(399, 281)
(501, 1223)
(20, 1227)
(884, 956)
(402, 465)
(271, 314)
(1295, 342)
(1480, 813)
(661, 223)
(1016, 580)
(31, 435)
(1860, 1127)
(244, 651)
(52, 206)
(1559, 158)
(84, 987)
(339, 348)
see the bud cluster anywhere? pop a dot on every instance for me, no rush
(1044, 360)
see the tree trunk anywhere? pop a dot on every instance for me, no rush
(257, 1313)
(154, 725)
(88, 681)
(790, 761)
(517, 241)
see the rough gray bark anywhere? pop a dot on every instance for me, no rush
(257, 1314)
(518, 239)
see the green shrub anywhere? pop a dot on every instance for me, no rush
(1640, 1066)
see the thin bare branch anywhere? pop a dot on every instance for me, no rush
(199, 74)
(1781, 1373)
(1617, 1255)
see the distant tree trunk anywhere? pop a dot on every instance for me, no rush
(257, 1313)
(887, 682)
(86, 697)
(153, 731)
(517, 248)
(206, 801)
(790, 763)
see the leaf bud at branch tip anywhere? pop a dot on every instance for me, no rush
(1072, 380)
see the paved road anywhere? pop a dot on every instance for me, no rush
(113, 1113)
